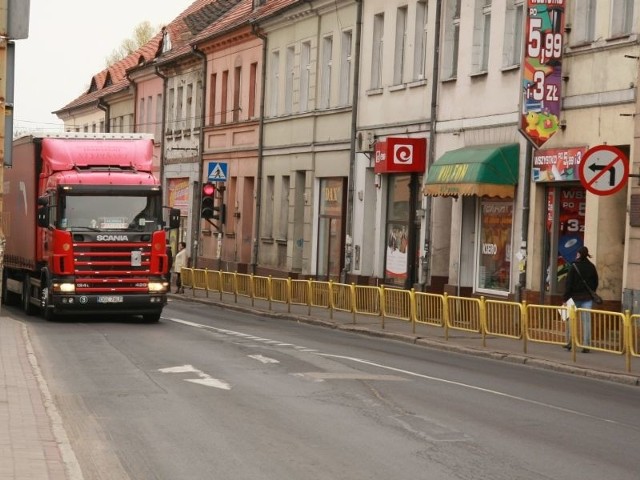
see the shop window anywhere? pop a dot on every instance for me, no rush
(566, 209)
(398, 206)
(494, 255)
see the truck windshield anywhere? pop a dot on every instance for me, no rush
(98, 212)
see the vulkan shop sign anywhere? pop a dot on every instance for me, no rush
(401, 155)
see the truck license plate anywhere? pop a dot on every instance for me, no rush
(110, 299)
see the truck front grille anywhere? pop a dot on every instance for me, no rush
(112, 267)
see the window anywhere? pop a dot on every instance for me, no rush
(481, 35)
(212, 98)
(305, 72)
(494, 255)
(171, 104)
(401, 41)
(197, 115)
(420, 41)
(237, 86)
(583, 30)
(327, 56)
(267, 227)
(512, 47)
(283, 220)
(451, 39)
(377, 52)
(158, 125)
(224, 96)
(253, 83)
(166, 41)
(189, 108)
(141, 114)
(290, 72)
(149, 126)
(345, 68)
(179, 108)
(275, 80)
(621, 17)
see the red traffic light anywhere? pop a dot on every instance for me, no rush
(208, 189)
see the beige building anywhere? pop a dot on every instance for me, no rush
(306, 141)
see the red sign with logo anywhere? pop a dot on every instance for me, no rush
(401, 155)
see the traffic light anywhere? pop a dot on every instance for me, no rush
(207, 205)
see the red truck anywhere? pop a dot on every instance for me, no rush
(84, 226)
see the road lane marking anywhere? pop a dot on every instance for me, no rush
(204, 378)
(428, 377)
(263, 359)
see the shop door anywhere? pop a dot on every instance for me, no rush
(564, 233)
(331, 228)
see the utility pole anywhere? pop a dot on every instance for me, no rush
(4, 43)
(14, 24)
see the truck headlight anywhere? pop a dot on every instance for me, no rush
(64, 287)
(158, 287)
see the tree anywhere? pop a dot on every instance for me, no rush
(141, 35)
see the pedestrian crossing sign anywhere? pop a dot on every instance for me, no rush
(217, 171)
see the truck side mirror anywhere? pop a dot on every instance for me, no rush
(174, 218)
(43, 216)
(43, 201)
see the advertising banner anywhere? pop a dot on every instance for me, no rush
(557, 164)
(179, 194)
(542, 70)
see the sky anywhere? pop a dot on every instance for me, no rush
(68, 43)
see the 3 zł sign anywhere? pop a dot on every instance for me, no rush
(542, 70)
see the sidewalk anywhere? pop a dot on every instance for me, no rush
(33, 442)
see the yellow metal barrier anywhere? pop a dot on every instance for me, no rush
(244, 283)
(261, 289)
(342, 297)
(228, 284)
(214, 281)
(602, 330)
(504, 319)
(429, 309)
(199, 281)
(300, 293)
(545, 324)
(396, 304)
(463, 313)
(279, 288)
(634, 334)
(320, 294)
(186, 277)
(367, 301)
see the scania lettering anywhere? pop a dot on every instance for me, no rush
(85, 227)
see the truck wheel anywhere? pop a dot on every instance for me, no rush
(27, 307)
(8, 297)
(47, 312)
(152, 317)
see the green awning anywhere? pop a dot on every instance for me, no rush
(483, 170)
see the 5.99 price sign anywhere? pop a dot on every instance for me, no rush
(542, 70)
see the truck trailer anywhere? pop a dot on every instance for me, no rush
(84, 226)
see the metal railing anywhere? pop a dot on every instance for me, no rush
(599, 330)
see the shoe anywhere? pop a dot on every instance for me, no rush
(567, 347)
(585, 350)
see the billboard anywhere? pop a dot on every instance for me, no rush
(542, 70)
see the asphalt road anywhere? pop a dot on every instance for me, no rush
(214, 394)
